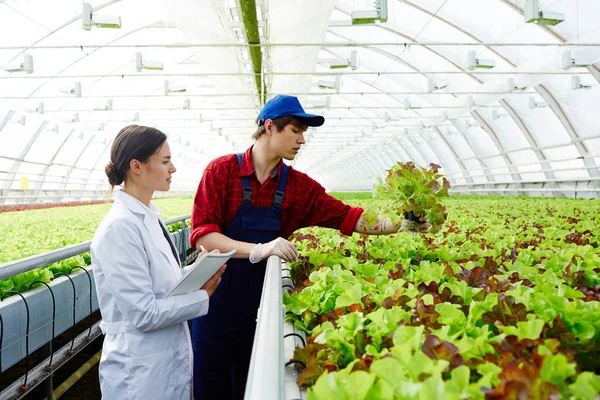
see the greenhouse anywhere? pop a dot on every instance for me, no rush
(413, 212)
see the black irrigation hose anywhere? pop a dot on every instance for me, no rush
(298, 335)
(88, 338)
(293, 361)
(290, 278)
(24, 386)
(59, 274)
(49, 366)
(184, 239)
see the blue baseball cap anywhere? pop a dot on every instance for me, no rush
(283, 105)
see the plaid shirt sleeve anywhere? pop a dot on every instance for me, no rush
(208, 209)
(327, 211)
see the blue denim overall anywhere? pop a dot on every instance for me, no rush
(222, 339)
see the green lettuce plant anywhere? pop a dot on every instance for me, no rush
(415, 193)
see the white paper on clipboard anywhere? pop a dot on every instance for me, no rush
(200, 272)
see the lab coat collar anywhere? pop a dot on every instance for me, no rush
(150, 216)
(137, 206)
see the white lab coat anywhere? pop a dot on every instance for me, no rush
(147, 351)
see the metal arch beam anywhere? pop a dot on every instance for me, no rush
(477, 156)
(353, 174)
(549, 30)
(545, 93)
(414, 145)
(69, 22)
(398, 59)
(376, 162)
(545, 165)
(409, 3)
(461, 165)
(359, 172)
(434, 52)
(382, 52)
(382, 92)
(431, 147)
(508, 108)
(410, 151)
(397, 33)
(335, 24)
(397, 144)
(467, 175)
(4, 122)
(478, 117)
(399, 151)
(492, 134)
(386, 153)
(15, 167)
(65, 180)
(41, 182)
(594, 171)
(385, 54)
(369, 169)
(98, 187)
(90, 53)
(595, 72)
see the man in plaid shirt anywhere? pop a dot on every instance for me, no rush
(252, 202)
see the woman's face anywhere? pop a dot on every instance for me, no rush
(157, 171)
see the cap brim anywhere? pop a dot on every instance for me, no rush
(311, 119)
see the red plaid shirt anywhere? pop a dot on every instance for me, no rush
(305, 202)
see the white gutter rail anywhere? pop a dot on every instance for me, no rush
(266, 373)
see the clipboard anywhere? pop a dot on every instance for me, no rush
(200, 272)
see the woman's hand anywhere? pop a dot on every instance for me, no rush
(211, 285)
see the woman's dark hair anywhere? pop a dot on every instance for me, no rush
(133, 142)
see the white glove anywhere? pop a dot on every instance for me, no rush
(278, 247)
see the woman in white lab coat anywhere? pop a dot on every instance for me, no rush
(147, 350)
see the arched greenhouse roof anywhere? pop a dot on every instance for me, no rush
(503, 105)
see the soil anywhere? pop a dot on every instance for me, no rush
(24, 207)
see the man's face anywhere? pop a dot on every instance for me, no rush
(288, 141)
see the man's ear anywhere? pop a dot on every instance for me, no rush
(269, 127)
(135, 166)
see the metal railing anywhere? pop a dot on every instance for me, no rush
(30, 263)
(34, 319)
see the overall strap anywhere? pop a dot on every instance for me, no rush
(278, 198)
(247, 189)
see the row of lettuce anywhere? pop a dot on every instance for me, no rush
(502, 302)
(27, 233)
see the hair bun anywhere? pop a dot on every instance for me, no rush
(112, 174)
